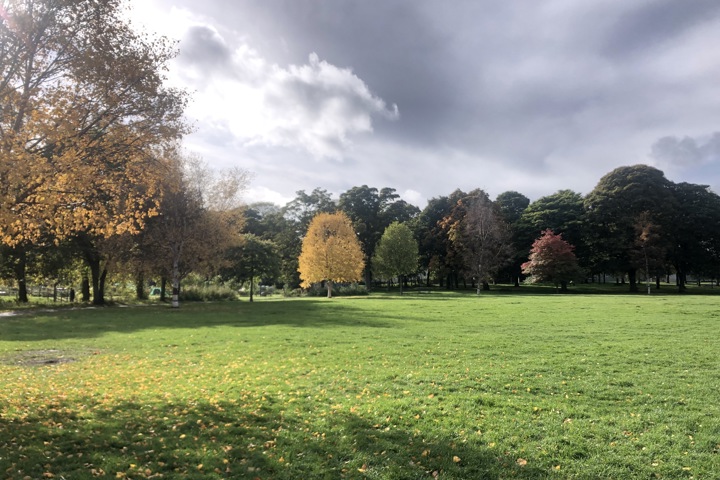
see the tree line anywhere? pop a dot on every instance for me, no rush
(634, 222)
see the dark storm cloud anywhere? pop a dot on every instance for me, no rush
(653, 24)
(687, 152)
(203, 48)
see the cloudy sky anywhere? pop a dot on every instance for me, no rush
(426, 96)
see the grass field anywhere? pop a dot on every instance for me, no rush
(436, 385)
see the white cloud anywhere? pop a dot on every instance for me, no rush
(315, 107)
(264, 194)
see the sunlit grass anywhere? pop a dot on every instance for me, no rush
(426, 385)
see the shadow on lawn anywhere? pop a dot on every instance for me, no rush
(95, 322)
(230, 440)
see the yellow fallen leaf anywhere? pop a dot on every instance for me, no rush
(456, 459)
(522, 462)
(363, 469)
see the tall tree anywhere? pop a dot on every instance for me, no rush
(512, 204)
(396, 254)
(434, 245)
(694, 234)
(613, 208)
(200, 216)
(330, 252)
(552, 260)
(83, 108)
(480, 236)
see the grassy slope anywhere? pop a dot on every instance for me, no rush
(447, 385)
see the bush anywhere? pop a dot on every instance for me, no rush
(349, 290)
(194, 293)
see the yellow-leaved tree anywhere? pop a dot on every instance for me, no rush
(330, 252)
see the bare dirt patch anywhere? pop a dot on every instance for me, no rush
(39, 358)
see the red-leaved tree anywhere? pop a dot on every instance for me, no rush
(552, 260)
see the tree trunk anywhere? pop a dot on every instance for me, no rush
(101, 286)
(20, 267)
(252, 283)
(563, 286)
(485, 285)
(681, 280)
(163, 288)
(85, 288)
(329, 288)
(657, 282)
(140, 286)
(97, 278)
(632, 279)
(401, 282)
(175, 285)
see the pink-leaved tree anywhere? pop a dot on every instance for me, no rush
(552, 260)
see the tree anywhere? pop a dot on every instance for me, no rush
(253, 258)
(651, 247)
(396, 254)
(613, 209)
(330, 252)
(552, 260)
(200, 216)
(435, 248)
(371, 211)
(480, 237)
(512, 205)
(694, 233)
(84, 107)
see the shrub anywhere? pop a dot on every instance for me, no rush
(193, 293)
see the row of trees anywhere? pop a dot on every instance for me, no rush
(634, 220)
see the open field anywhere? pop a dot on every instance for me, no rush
(442, 385)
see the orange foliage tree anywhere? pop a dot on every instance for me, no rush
(83, 115)
(84, 112)
(330, 252)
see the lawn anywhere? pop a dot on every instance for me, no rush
(433, 385)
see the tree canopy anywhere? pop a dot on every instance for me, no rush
(396, 253)
(331, 252)
(552, 260)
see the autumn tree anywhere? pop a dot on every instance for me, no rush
(552, 260)
(84, 108)
(396, 254)
(331, 252)
(480, 236)
(199, 217)
(434, 247)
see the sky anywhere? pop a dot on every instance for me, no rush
(428, 96)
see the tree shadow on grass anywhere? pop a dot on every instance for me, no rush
(248, 438)
(92, 323)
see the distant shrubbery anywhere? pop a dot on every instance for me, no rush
(210, 293)
(319, 290)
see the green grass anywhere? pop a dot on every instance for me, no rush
(443, 385)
